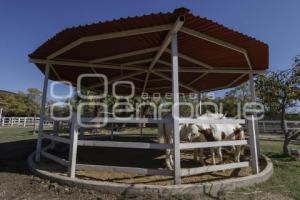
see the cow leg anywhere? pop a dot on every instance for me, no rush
(196, 155)
(220, 154)
(168, 159)
(212, 151)
(237, 153)
(201, 155)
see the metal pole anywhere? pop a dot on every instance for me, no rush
(42, 115)
(252, 129)
(200, 102)
(1, 120)
(176, 137)
(73, 146)
(253, 96)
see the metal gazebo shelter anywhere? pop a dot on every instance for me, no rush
(192, 53)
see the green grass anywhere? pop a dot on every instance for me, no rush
(285, 181)
(286, 178)
(15, 134)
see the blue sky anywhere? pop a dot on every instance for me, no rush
(24, 25)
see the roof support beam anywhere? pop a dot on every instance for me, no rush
(55, 72)
(198, 78)
(118, 78)
(164, 63)
(84, 64)
(106, 36)
(124, 55)
(192, 60)
(212, 39)
(228, 85)
(215, 70)
(138, 62)
(236, 80)
(170, 79)
(174, 29)
(218, 42)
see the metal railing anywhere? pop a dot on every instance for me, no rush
(274, 126)
(74, 141)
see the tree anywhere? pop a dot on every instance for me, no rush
(279, 91)
(34, 95)
(21, 104)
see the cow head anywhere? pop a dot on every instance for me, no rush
(192, 132)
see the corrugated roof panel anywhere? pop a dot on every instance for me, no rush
(195, 48)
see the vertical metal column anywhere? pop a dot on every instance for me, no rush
(200, 102)
(42, 115)
(175, 88)
(252, 130)
(73, 146)
(253, 99)
(1, 109)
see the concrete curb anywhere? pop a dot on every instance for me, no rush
(211, 188)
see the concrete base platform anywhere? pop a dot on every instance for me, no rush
(211, 188)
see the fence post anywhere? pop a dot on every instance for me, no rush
(24, 123)
(42, 115)
(73, 146)
(252, 143)
(175, 87)
(253, 99)
(252, 130)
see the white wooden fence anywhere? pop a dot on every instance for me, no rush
(274, 126)
(22, 122)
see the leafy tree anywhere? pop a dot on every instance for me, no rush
(279, 91)
(20, 104)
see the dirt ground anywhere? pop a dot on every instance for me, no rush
(17, 182)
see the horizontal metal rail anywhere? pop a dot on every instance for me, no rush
(212, 168)
(124, 120)
(136, 145)
(57, 138)
(133, 170)
(212, 121)
(54, 158)
(159, 121)
(196, 145)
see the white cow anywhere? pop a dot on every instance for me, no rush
(202, 132)
(229, 132)
(188, 132)
(218, 132)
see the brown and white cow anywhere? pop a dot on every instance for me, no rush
(218, 132)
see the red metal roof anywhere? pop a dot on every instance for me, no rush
(205, 51)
